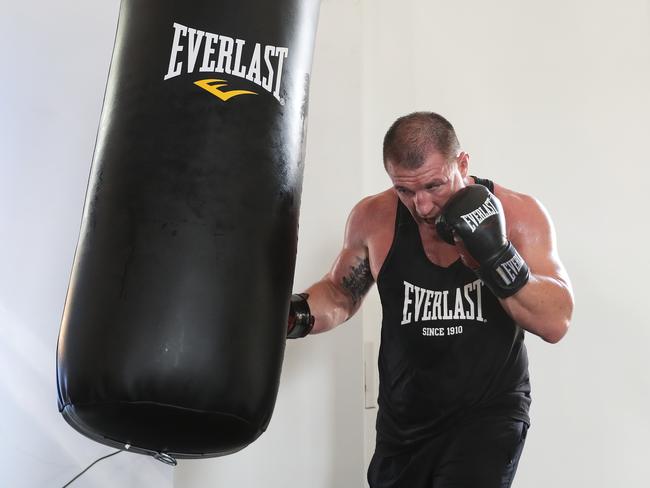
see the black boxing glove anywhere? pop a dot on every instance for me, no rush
(475, 216)
(301, 321)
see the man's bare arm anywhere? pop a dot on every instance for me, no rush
(338, 295)
(545, 304)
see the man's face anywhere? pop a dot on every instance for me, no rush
(425, 190)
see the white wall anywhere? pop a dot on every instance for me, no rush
(55, 58)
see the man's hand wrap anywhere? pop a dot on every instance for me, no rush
(475, 216)
(301, 321)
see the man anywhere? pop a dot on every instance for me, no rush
(463, 266)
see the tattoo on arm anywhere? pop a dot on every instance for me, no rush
(358, 281)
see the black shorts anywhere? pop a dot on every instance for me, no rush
(483, 453)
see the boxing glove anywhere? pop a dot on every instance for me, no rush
(475, 216)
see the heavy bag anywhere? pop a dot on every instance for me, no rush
(173, 331)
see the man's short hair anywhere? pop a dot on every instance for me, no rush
(413, 137)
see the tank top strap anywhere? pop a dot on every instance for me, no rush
(403, 218)
(489, 184)
(405, 235)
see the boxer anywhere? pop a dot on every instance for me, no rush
(463, 267)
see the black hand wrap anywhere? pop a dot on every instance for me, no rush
(301, 321)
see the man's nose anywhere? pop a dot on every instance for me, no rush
(423, 204)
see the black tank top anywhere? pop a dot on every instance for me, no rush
(448, 349)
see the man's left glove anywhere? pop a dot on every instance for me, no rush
(475, 216)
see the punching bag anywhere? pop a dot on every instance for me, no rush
(173, 331)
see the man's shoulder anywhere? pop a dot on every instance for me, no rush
(522, 210)
(511, 196)
(374, 213)
(379, 202)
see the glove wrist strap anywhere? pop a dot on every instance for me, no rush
(506, 274)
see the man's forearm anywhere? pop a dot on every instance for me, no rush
(543, 307)
(329, 305)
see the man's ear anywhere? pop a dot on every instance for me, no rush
(463, 163)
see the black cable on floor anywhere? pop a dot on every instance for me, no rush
(90, 466)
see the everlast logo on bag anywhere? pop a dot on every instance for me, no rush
(194, 49)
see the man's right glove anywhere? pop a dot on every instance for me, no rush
(301, 321)
(475, 216)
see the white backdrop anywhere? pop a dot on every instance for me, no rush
(55, 59)
(549, 98)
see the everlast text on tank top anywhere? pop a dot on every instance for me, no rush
(448, 349)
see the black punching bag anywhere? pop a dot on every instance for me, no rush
(174, 325)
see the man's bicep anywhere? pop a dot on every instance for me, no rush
(351, 274)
